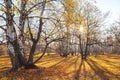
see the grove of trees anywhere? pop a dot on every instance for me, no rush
(59, 26)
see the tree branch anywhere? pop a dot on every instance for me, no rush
(1, 27)
(29, 10)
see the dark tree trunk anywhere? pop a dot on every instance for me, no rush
(86, 49)
(42, 54)
(81, 47)
(35, 41)
(32, 51)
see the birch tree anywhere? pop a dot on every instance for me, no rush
(15, 29)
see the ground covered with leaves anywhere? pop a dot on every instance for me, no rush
(54, 67)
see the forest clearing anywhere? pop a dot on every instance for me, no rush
(54, 67)
(59, 39)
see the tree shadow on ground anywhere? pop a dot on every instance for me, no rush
(101, 71)
(70, 68)
(77, 77)
(108, 62)
(79, 72)
(64, 66)
(64, 63)
(98, 71)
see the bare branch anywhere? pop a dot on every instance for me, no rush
(3, 17)
(30, 32)
(29, 10)
(1, 27)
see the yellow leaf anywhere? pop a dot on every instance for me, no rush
(3, 9)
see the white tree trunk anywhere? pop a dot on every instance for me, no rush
(16, 55)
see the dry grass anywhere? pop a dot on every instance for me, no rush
(54, 67)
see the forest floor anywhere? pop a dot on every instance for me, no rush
(54, 67)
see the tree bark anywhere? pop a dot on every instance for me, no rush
(22, 19)
(32, 51)
(35, 41)
(42, 54)
(81, 47)
(16, 55)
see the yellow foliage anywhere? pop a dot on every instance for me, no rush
(3, 9)
(70, 15)
(35, 10)
(70, 18)
(40, 15)
(18, 1)
(32, 1)
(70, 5)
(15, 10)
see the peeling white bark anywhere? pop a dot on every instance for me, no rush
(21, 48)
(11, 49)
(11, 34)
(15, 48)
